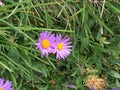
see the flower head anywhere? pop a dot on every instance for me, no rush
(5, 85)
(95, 83)
(63, 47)
(1, 3)
(45, 43)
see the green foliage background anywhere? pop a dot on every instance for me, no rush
(92, 25)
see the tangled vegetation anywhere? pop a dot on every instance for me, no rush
(93, 27)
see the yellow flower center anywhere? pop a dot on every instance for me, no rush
(45, 43)
(1, 88)
(59, 46)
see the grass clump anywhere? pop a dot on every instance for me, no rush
(92, 25)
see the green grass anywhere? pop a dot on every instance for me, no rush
(94, 29)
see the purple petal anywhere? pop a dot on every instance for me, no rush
(92, 88)
(68, 43)
(71, 86)
(7, 84)
(66, 40)
(60, 37)
(1, 3)
(1, 82)
(114, 88)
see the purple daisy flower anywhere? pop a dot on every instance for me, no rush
(63, 47)
(5, 85)
(1, 3)
(46, 43)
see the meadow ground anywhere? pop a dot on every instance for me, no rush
(93, 27)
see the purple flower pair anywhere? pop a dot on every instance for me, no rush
(49, 43)
(5, 85)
